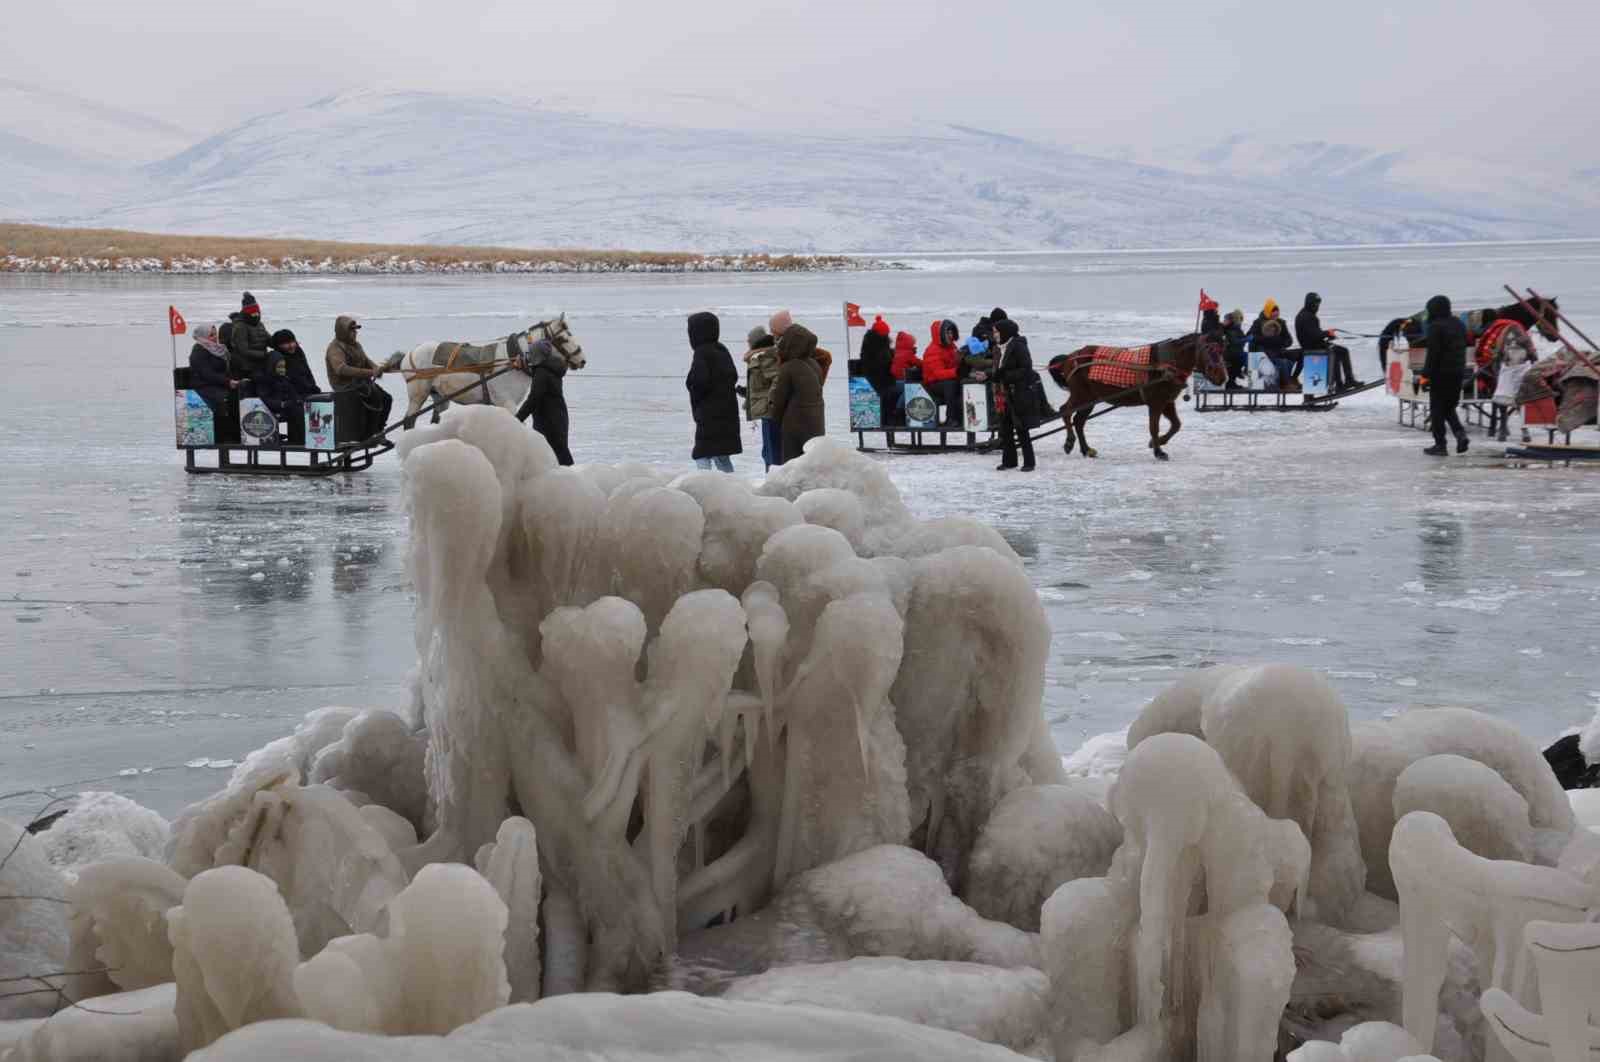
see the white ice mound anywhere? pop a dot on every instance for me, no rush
(439, 967)
(378, 756)
(1179, 952)
(137, 1026)
(626, 1028)
(1005, 1007)
(103, 826)
(1383, 750)
(233, 954)
(33, 926)
(119, 923)
(1487, 816)
(1373, 1041)
(1038, 839)
(1284, 734)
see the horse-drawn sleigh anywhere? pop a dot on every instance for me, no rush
(331, 433)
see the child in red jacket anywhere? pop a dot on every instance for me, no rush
(941, 364)
(905, 355)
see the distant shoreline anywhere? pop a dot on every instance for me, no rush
(49, 249)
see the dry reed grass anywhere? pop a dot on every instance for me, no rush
(44, 241)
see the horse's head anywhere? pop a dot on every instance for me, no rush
(561, 338)
(1546, 321)
(1209, 359)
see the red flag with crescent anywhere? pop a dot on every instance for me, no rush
(852, 316)
(175, 322)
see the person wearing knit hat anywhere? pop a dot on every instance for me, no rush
(248, 340)
(877, 357)
(760, 374)
(997, 315)
(300, 374)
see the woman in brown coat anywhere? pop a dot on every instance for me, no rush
(797, 396)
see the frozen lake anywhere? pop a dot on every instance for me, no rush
(154, 621)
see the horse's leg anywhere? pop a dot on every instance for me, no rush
(1171, 413)
(1081, 421)
(1155, 431)
(1066, 423)
(438, 410)
(416, 394)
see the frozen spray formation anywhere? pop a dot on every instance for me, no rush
(783, 745)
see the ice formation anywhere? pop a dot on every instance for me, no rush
(785, 744)
(33, 925)
(1129, 966)
(1383, 750)
(102, 826)
(1284, 734)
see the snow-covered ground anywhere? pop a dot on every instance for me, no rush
(158, 626)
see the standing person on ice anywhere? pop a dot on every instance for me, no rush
(713, 399)
(797, 403)
(248, 339)
(1445, 367)
(780, 323)
(349, 369)
(1013, 365)
(1313, 338)
(760, 374)
(545, 402)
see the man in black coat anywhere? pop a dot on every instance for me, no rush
(876, 356)
(1013, 370)
(248, 340)
(712, 398)
(1445, 367)
(545, 402)
(1313, 339)
(301, 378)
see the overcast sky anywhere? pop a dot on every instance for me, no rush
(1473, 75)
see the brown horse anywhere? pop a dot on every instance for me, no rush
(1163, 379)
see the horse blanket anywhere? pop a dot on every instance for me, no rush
(1120, 366)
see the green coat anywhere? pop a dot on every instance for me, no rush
(761, 375)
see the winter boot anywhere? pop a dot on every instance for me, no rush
(1461, 443)
(1437, 450)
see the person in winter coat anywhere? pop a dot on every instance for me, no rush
(797, 403)
(208, 370)
(1013, 368)
(248, 339)
(300, 375)
(545, 402)
(877, 355)
(1445, 367)
(905, 355)
(760, 375)
(274, 387)
(349, 369)
(1233, 335)
(1270, 335)
(1312, 337)
(713, 398)
(941, 370)
(976, 357)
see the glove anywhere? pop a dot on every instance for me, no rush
(740, 390)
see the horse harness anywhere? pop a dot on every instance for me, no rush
(1159, 361)
(463, 358)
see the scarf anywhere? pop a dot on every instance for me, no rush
(205, 336)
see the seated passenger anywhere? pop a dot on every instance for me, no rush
(975, 357)
(274, 388)
(1313, 337)
(905, 356)
(300, 375)
(1233, 336)
(1270, 335)
(349, 369)
(941, 369)
(208, 370)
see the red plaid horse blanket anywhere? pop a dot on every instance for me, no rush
(1120, 366)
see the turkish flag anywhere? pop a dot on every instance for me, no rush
(852, 316)
(175, 322)
(1206, 301)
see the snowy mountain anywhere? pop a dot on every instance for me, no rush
(1504, 186)
(684, 172)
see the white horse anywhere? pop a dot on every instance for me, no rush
(429, 368)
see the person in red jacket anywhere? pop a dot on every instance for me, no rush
(905, 355)
(941, 363)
